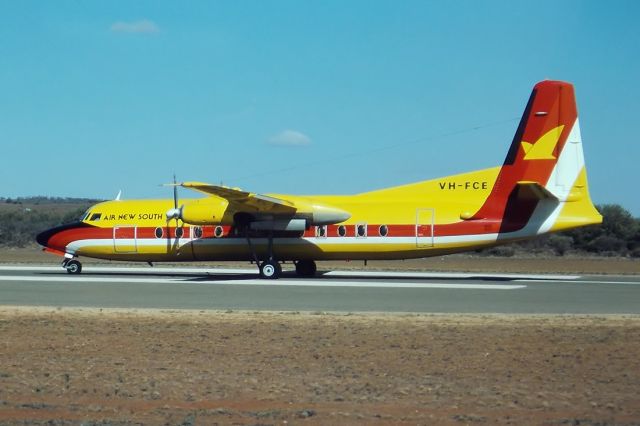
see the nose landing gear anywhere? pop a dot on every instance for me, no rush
(72, 266)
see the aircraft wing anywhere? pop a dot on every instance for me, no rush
(241, 198)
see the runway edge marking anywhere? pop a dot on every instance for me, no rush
(264, 283)
(379, 274)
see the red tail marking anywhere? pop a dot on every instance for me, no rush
(552, 104)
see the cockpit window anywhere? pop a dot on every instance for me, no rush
(95, 216)
(85, 215)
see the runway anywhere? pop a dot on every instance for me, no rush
(334, 291)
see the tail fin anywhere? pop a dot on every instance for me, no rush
(544, 168)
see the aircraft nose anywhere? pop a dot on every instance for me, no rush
(57, 237)
(43, 237)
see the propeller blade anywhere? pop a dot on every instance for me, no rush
(175, 206)
(175, 192)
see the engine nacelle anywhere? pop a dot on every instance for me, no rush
(200, 213)
(327, 215)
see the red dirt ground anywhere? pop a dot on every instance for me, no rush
(152, 367)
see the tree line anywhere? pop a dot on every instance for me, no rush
(618, 235)
(21, 219)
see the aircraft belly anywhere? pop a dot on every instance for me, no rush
(306, 248)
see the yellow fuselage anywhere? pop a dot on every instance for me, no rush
(417, 220)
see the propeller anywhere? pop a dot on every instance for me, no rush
(174, 213)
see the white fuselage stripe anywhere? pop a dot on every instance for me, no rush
(320, 242)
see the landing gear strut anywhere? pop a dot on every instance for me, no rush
(72, 266)
(270, 268)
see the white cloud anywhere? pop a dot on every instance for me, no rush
(290, 138)
(143, 26)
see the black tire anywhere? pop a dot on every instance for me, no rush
(270, 270)
(73, 267)
(306, 268)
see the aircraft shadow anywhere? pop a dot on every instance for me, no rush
(322, 276)
(187, 277)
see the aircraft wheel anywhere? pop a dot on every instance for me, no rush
(306, 268)
(73, 267)
(270, 270)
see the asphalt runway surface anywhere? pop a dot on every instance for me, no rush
(334, 291)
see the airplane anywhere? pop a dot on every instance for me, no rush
(541, 187)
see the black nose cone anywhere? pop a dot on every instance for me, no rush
(43, 237)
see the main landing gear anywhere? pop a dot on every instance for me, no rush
(271, 269)
(72, 266)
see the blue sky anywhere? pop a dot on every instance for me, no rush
(302, 96)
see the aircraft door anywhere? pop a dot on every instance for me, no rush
(197, 248)
(424, 227)
(125, 239)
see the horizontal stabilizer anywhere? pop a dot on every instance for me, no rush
(533, 191)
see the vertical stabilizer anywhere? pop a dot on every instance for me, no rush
(544, 167)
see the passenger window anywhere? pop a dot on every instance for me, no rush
(342, 230)
(361, 230)
(321, 231)
(159, 232)
(179, 232)
(383, 230)
(197, 232)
